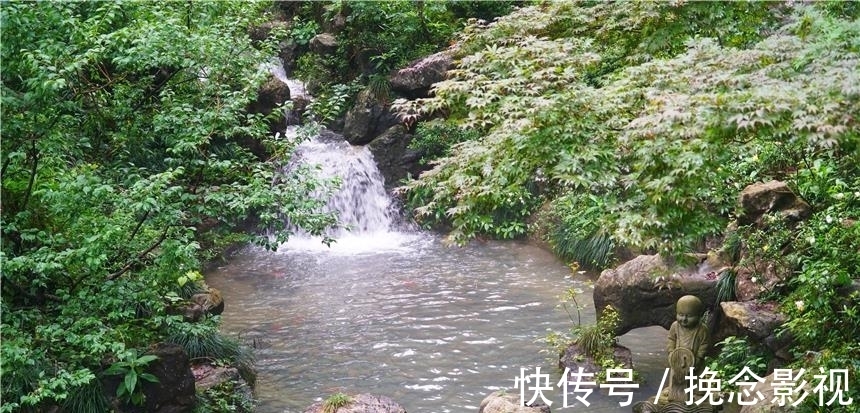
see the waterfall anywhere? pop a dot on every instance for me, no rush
(370, 217)
(369, 214)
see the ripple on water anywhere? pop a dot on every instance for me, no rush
(434, 328)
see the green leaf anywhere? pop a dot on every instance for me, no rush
(149, 377)
(130, 381)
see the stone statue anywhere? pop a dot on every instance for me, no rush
(687, 345)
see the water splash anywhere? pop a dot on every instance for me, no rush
(297, 88)
(370, 216)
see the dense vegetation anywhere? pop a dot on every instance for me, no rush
(637, 124)
(125, 163)
(129, 158)
(372, 39)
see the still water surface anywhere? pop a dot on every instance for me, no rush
(435, 328)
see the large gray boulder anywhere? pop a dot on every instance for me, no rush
(393, 157)
(362, 403)
(367, 119)
(757, 321)
(772, 197)
(324, 44)
(270, 96)
(414, 81)
(503, 402)
(644, 290)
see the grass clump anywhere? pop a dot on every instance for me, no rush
(335, 402)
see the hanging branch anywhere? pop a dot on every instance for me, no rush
(140, 256)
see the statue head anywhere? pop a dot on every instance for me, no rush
(688, 311)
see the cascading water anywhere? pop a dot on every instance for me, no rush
(367, 212)
(368, 215)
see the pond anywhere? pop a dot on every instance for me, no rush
(392, 311)
(435, 328)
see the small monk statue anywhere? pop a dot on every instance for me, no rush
(687, 345)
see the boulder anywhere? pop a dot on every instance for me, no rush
(672, 407)
(209, 302)
(362, 403)
(207, 376)
(261, 32)
(393, 157)
(774, 197)
(324, 44)
(272, 94)
(644, 290)
(758, 277)
(757, 321)
(415, 80)
(173, 393)
(367, 119)
(503, 402)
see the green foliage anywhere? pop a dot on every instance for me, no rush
(379, 87)
(641, 122)
(575, 231)
(223, 398)
(202, 340)
(434, 139)
(125, 140)
(735, 354)
(332, 102)
(131, 368)
(335, 402)
(302, 32)
(666, 139)
(86, 398)
(726, 286)
(375, 37)
(597, 340)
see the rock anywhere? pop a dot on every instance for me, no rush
(414, 81)
(503, 402)
(207, 376)
(362, 403)
(772, 197)
(644, 290)
(174, 392)
(393, 157)
(759, 277)
(366, 119)
(286, 48)
(272, 94)
(211, 301)
(324, 44)
(262, 31)
(759, 322)
(199, 305)
(573, 358)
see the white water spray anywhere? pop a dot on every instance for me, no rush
(368, 213)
